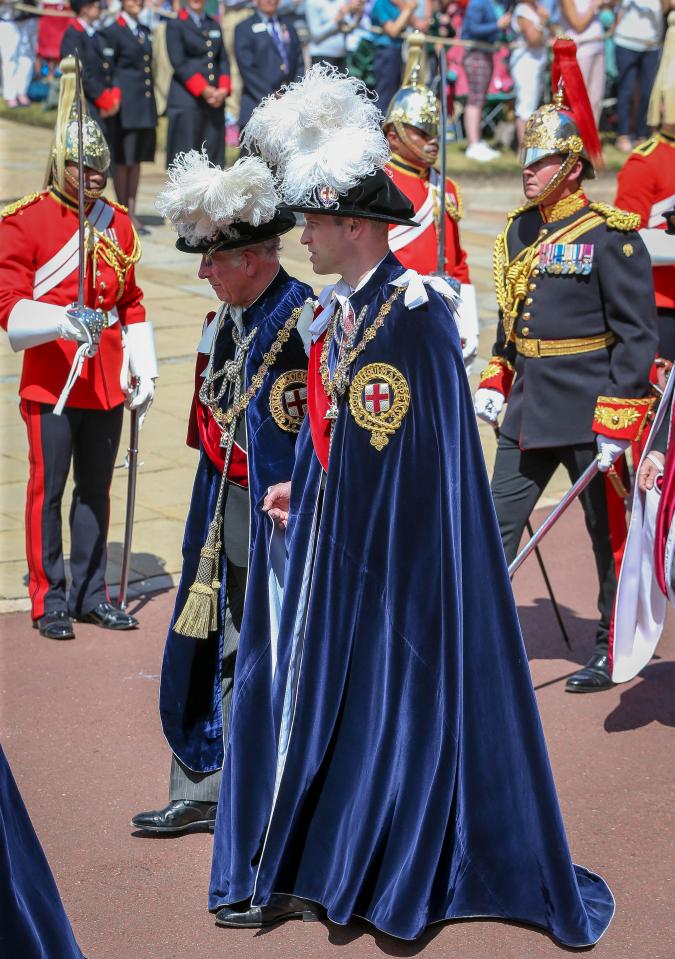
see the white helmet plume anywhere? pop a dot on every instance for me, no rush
(323, 131)
(203, 201)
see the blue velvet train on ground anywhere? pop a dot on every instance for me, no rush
(190, 698)
(33, 921)
(400, 773)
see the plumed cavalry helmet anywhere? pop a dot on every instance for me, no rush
(565, 127)
(96, 154)
(415, 104)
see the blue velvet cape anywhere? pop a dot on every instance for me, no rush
(33, 921)
(412, 778)
(190, 699)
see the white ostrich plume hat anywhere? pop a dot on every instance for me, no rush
(203, 201)
(324, 131)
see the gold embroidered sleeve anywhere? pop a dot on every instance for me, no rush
(497, 375)
(622, 419)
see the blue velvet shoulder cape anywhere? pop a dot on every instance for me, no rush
(409, 781)
(189, 699)
(33, 921)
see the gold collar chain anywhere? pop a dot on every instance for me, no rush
(336, 387)
(224, 419)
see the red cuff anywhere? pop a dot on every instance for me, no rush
(497, 375)
(621, 419)
(224, 83)
(108, 99)
(196, 85)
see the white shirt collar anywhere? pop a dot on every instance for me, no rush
(338, 293)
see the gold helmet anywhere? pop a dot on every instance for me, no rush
(415, 104)
(566, 127)
(96, 154)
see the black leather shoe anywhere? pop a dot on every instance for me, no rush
(55, 625)
(593, 677)
(109, 617)
(278, 909)
(180, 816)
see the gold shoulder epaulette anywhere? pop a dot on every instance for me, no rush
(25, 201)
(118, 206)
(457, 213)
(617, 219)
(644, 149)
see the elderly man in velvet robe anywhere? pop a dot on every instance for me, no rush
(248, 405)
(400, 769)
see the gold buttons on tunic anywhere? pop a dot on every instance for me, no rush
(525, 331)
(526, 316)
(148, 83)
(528, 301)
(532, 287)
(148, 94)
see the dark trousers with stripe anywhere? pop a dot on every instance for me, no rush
(519, 479)
(88, 439)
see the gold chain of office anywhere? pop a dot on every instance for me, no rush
(224, 418)
(339, 380)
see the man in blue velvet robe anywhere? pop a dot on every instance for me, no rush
(405, 779)
(251, 363)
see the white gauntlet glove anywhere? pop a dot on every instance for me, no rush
(140, 345)
(32, 323)
(609, 450)
(488, 404)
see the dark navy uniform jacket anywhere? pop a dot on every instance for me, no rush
(262, 69)
(554, 398)
(131, 62)
(198, 57)
(96, 70)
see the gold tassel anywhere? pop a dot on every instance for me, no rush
(197, 615)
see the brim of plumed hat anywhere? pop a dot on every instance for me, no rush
(376, 197)
(243, 234)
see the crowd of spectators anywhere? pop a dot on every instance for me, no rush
(494, 48)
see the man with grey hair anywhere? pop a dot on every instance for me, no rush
(249, 403)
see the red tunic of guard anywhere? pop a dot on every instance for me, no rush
(646, 185)
(39, 237)
(417, 246)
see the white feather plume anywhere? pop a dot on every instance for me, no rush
(203, 201)
(324, 130)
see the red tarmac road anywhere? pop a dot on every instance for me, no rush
(80, 727)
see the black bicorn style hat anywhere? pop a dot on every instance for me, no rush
(241, 234)
(375, 197)
(323, 138)
(214, 209)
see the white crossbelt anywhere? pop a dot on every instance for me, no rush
(402, 235)
(658, 209)
(63, 263)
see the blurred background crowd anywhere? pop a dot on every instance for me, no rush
(205, 64)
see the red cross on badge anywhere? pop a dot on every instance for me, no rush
(295, 401)
(377, 397)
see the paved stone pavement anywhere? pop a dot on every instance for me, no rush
(176, 302)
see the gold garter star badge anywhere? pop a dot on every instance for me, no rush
(288, 400)
(379, 398)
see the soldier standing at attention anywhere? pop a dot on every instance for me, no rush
(412, 128)
(199, 86)
(646, 186)
(576, 338)
(38, 287)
